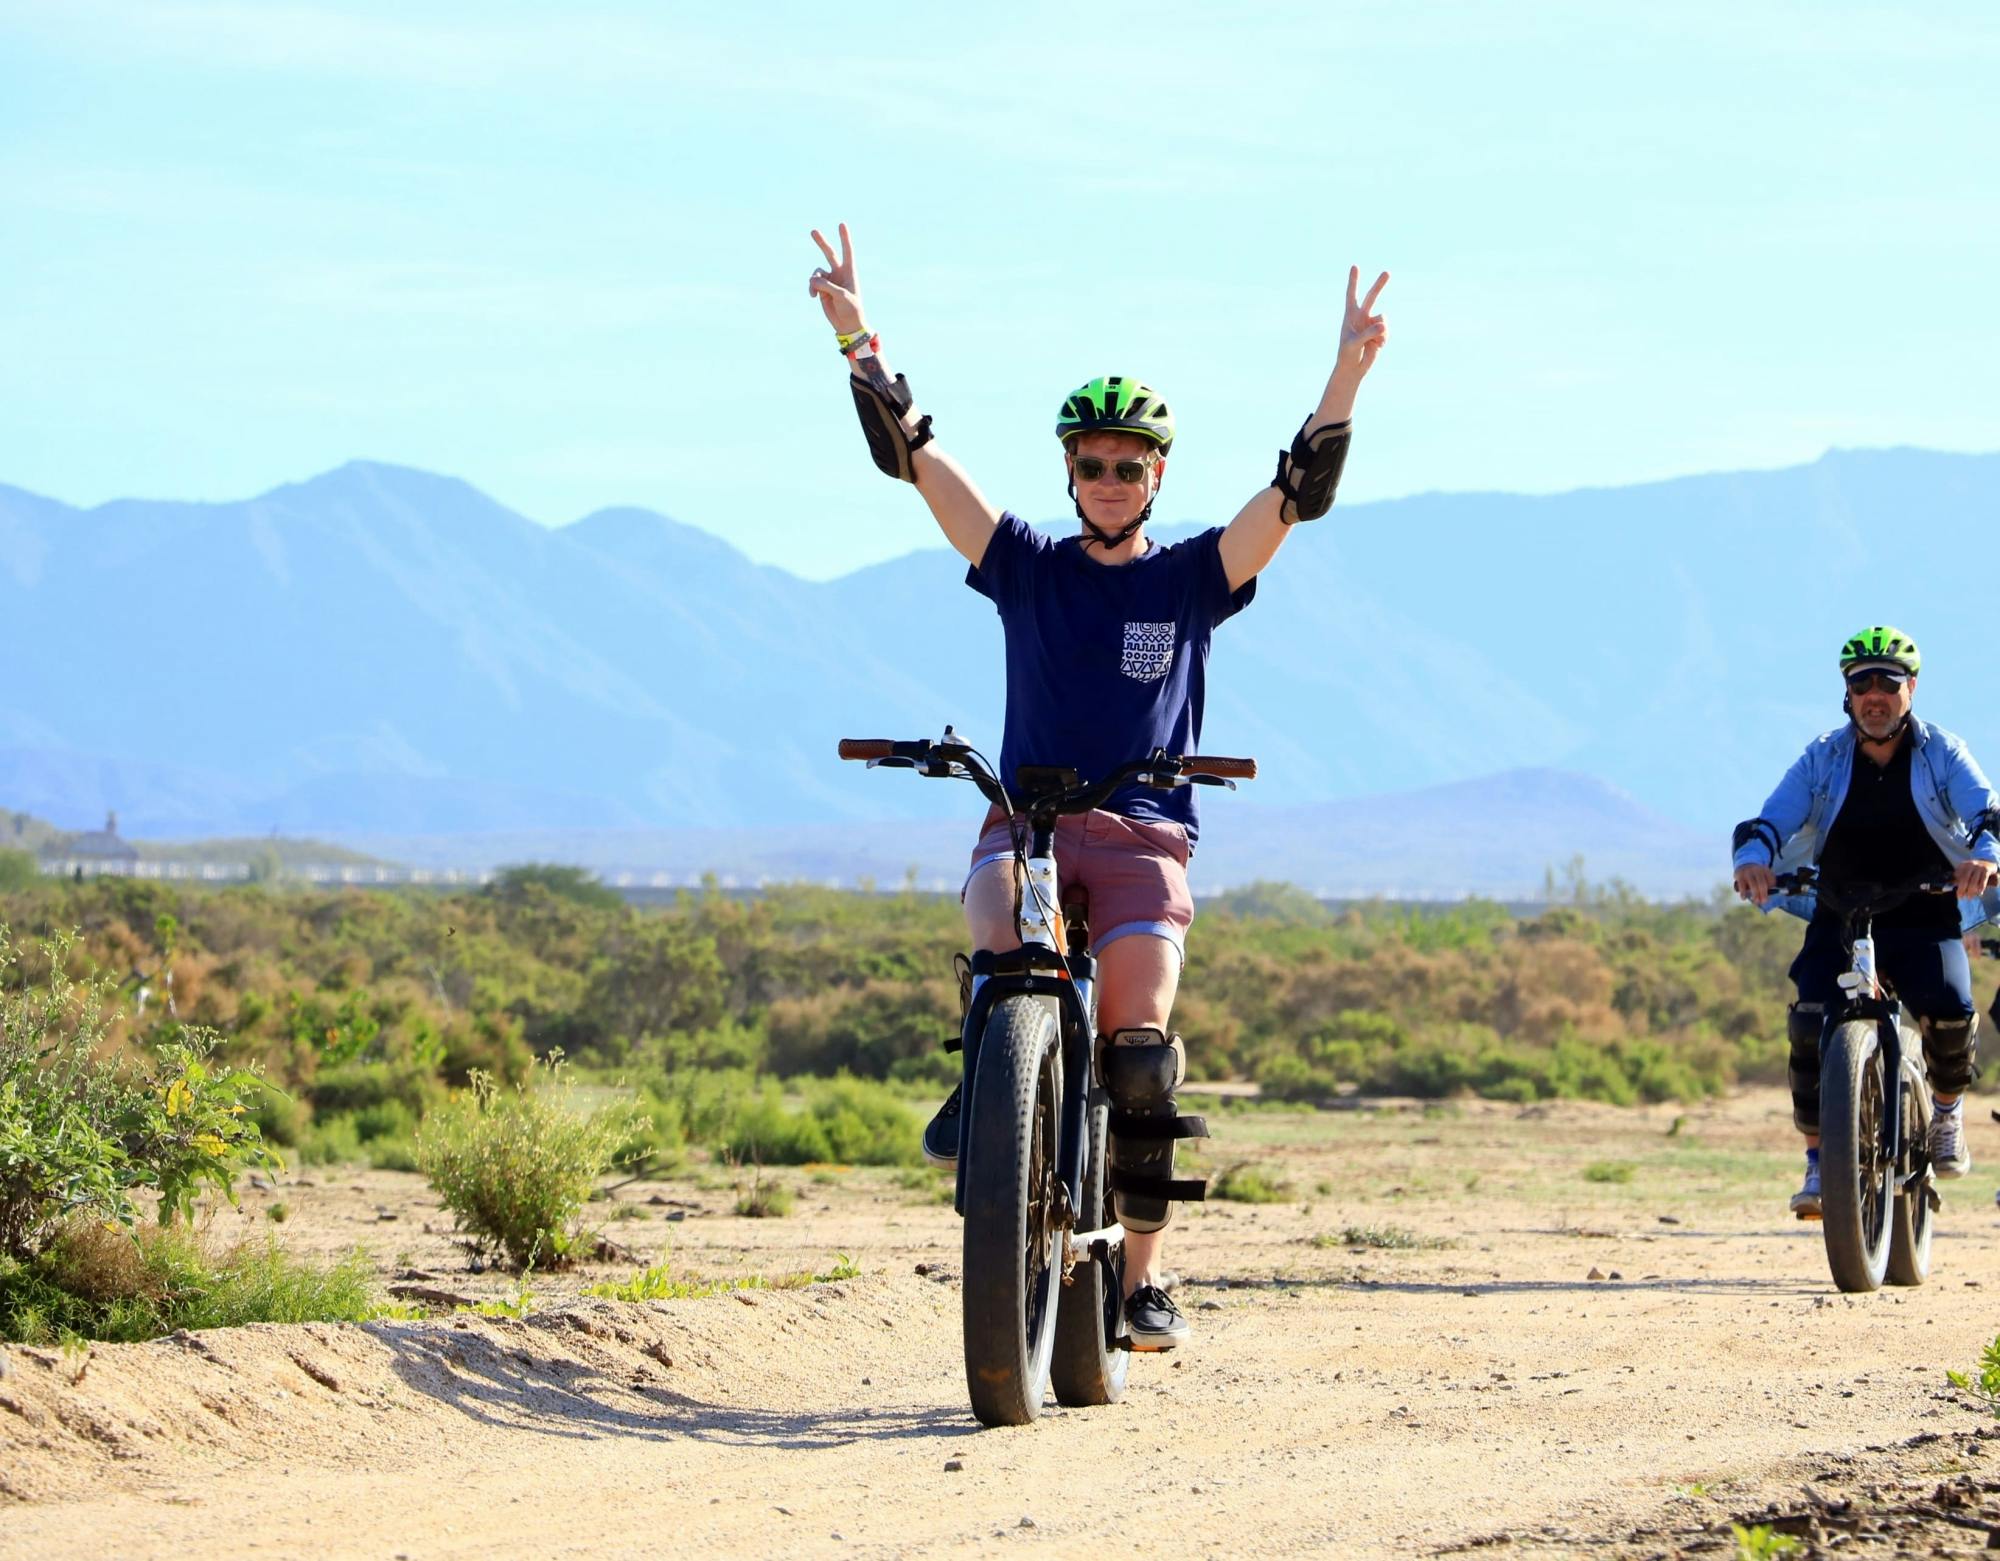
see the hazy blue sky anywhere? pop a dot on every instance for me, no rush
(561, 251)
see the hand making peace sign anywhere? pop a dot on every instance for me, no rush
(1363, 333)
(838, 292)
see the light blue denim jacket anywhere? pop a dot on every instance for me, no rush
(1952, 797)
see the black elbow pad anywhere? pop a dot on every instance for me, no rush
(1756, 829)
(1309, 472)
(884, 419)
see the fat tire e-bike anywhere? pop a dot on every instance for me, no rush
(1043, 1288)
(1877, 1190)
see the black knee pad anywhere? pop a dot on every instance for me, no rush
(1141, 1069)
(1951, 1051)
(1805, 1026)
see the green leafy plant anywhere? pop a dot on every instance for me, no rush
(82, 1133)
(1245, 1183)
(1384, 1238)
(519, 1304)
(658, 1284)
(1986, 1385)
(1613, 1171)
(1759, 1542)
(187, 1125)
(516, 1165)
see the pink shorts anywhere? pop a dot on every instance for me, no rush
(1135, 871)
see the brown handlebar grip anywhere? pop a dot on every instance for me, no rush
(1228, 769)
(866, 747)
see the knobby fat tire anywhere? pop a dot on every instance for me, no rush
(1015, 1091)
(1851, 1068)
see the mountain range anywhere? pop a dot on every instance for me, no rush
(384, 653)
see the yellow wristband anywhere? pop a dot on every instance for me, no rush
(848, 338)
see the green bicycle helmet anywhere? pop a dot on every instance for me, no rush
(1116, 404)
(1881, 643)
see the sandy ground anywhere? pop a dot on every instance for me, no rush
(1607, 1337)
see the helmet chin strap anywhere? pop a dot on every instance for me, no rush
(1109, 539)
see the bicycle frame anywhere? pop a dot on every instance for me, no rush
(1866, 1000)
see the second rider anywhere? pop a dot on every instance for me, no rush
(1107, 637)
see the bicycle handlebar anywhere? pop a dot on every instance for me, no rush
(953, 759)
(1861, 898)
(1208, 764)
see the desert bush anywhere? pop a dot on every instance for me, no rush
(1246, 1183)
(515, 1165)
(763, 1200)
(80, 1134)
(99, 1282)
(844, 1121)
(877, 1029)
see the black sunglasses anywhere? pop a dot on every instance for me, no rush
(1089, 468)
(1876, 682)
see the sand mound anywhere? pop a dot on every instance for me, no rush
(337, 1394)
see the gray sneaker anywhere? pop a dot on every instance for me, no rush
(941, 1134)
(1805, 1202)
(1152, 1319)
(1951, 1156)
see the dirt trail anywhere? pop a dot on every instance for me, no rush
(1338, 1398)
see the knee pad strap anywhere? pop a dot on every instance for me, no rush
(1951, 1047)
(1141, 1069)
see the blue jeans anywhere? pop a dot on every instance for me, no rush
(1932, 977)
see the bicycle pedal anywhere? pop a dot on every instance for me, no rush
(1811, 1214)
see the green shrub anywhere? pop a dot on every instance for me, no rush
(1985, 1387)
(79, 1135)
(18, 871)
(515, 1166)
(1288, 1076)
(97, 1282)
(1380, 1238)
(336, 1141)
(281, 1117)
(407, 1088)
(1245, 1183)
(1608, 1171)
(842, 1121)
(763, 1200)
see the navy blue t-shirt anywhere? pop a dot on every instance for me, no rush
(1105, 662)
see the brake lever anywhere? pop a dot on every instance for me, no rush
(1207, 780)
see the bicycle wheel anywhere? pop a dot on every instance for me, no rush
(1910, 1227)
(1857, 1180)
(1087, 1368)
(1012, 1269)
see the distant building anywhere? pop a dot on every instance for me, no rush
(95, 854)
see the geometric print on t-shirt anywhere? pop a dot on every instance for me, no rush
(1149, 650)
